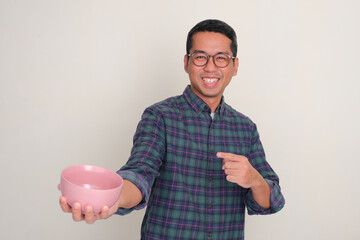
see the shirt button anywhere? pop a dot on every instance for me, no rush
(209, 234)
(210, 179)
(210, 206)
(211, 152)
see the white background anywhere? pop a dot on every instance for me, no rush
(76, 75)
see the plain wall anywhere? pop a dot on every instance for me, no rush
(76, 75)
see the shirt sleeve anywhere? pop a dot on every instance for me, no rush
(258, 161)
(146, 156)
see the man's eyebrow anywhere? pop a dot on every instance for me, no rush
(199, 51)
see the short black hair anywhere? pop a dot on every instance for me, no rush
(213, 25)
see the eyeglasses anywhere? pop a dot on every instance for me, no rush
(220, 60)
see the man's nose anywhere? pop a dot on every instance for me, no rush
(210, 65)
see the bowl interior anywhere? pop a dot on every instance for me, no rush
(92, 177)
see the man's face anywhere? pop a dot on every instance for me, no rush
(209, 81)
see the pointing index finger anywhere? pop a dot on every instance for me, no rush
(229, 156)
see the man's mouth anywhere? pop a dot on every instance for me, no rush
(210, 80)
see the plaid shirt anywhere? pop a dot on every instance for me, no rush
(173, 162)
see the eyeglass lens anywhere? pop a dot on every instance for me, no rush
(201, 59)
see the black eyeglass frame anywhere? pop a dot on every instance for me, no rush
(209, 56)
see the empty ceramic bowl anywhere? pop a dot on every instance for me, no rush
(90, 185)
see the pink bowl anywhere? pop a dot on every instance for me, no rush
(90, 185)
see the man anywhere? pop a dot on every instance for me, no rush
(196, 163)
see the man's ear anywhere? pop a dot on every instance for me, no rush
(236, 66)
(186, 59)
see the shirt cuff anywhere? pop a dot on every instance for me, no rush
(277, 201)
(140, 183)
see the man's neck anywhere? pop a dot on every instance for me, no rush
(213, 103)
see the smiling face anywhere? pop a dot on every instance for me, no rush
(209, 82)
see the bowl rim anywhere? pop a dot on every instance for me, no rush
(91, 166)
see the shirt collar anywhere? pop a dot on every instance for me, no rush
(198, 104)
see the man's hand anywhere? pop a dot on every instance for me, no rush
(89, 216)
(130, 197)
(239, 170)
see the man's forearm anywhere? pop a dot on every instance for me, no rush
(261, 193)
(130, 195)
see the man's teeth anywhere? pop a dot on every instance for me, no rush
(210, 80)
